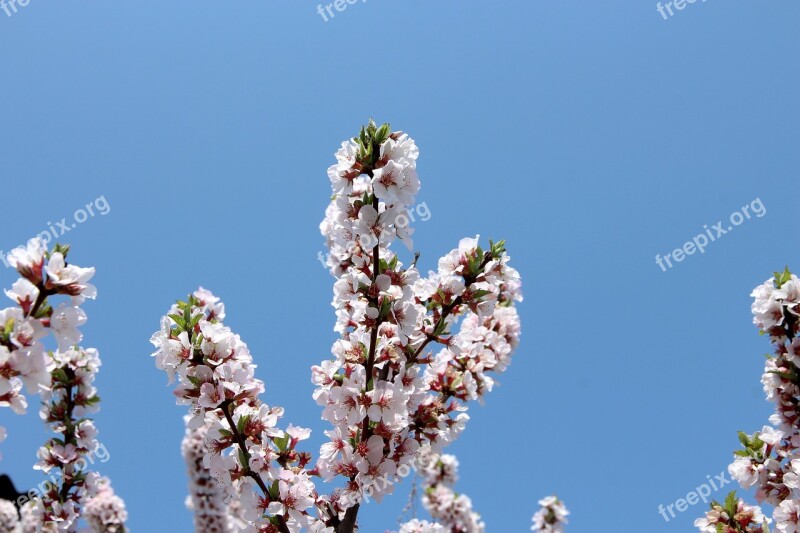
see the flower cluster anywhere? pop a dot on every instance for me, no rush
(422, 526)
(9, 519)
(385, 394)
(105, 512)
(551, 516)
(206, 496)
(734, 516)
(389, 396)
(770, 459)
(246, 452)
(66, 402)
(451, 510)
(374, 181)
(64, 378)
(23, 360)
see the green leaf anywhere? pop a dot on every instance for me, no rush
(282, 442)
(382, 134)
(63, 249)
(60, 375)
(785, 375)
(44, 310)
(196, 320)
(744, 439)
(782, 277)
(274, 490)
(731, 503)
(93, 400)
(8, 328)
(178, 320)
(497, 248)
(241, 425)
(386, 306)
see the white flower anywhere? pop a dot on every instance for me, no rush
(29, 259)
(422, 526)
(388, 405)
(24, 293)
(396, 183)
(296, 494)
(367, 228)
(13, 398)
(85, 433)
(65, 323)
(400, 147)
(9, 519)
(345, 171)
(25, 331)
(376, 472)
(787, 516)
(211, 395)
(298, 434)
(551, 517)
(717, 519)
(105, 512)
(70, 279)
(771, 436)
(211, 305)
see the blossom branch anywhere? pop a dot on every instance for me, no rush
(383, 398)
(770, 459)
(64, 378)
(245, 451)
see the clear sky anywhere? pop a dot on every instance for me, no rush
(592, 136)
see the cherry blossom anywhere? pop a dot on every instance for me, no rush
(29, 260)
(206, 495)
(67, 400)
(451, 511)
(252, 459)
(769, 460)
(422, 526)
(413, 353)
(63, 378)
(735, 516)
(9, 519)
(551, 517)
(105, 512)
(383, 380)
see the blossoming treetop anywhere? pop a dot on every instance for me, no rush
(388, 396)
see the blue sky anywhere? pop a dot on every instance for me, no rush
(591, 136)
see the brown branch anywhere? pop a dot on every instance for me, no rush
(348, 524)
(43, 294)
